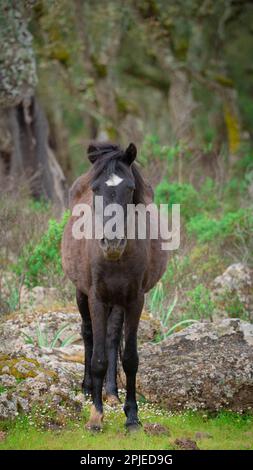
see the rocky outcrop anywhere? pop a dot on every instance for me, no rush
(206, 366)
(237, 277)
(34, 380)
(16, 329)
(38, 372)
(232, 291)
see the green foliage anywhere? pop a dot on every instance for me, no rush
(231, 303)
(35, 261)
(38, 205)
(42, 341)
(164, 313)
(205, 261)
(177, 268)
(233, 225)
(192, 202)
(235, 308)
(9, 295)
(13, 299)
(152, 149)
(209, 199)
(176, 193)
(199, 304)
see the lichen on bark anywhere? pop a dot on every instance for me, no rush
(18, 68)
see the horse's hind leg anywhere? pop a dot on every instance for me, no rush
(82, 302)
(114, 331)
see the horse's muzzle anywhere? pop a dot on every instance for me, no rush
(113, 249)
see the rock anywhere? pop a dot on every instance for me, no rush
(38, 296)
(71, 353)
(41, 376)
(233, 291)
(44, 384)
(155, 429)
(23, 404)
(8, 380)
(8, 406)
(186, 444)
(238, 276)
(46, 375)
(149, 327)
(15, 330)
(205, 366)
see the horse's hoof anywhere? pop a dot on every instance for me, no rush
(87, 391)
(87, 395)
(133, 426)
(112, 400)
(95, 421)
(93, 427)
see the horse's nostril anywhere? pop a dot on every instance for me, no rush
(112, 246)
(103, 242)
(122, 242)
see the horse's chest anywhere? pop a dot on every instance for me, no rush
(115, 288)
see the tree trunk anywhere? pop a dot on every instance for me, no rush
(24, 133)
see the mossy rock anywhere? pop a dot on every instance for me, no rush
(23, 367)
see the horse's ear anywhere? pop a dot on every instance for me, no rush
(92, 153)
(130, 154)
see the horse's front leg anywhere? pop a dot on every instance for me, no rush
(99, 313)
(130, 361)
(114, 331)
(82, 302)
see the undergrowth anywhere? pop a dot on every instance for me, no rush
(225, 430)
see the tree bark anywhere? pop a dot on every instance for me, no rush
(24, 135)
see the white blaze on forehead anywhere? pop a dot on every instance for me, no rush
(114, 180)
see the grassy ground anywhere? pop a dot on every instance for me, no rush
(224, 431)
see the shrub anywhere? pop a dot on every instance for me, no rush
(176, 193)
(208, 195)
(199, 304)
(165, 312)
(177, 268)
(36, 261)
(236, 225)
(21, 220)
(233, 305)
(152, 149)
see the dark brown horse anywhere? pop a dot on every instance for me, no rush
(111, 277)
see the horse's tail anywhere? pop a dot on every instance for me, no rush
(121, 345)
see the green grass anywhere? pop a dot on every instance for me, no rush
(227, 430)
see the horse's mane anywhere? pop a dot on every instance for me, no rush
(107, 157)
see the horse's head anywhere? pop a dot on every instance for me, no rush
(113, 179)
